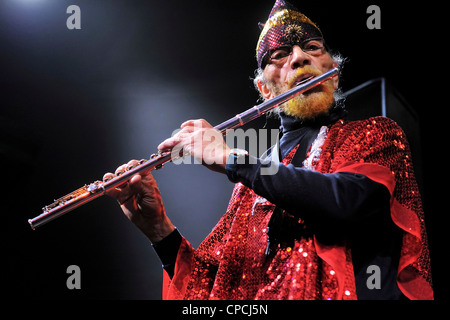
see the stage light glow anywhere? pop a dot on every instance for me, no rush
(30, 1)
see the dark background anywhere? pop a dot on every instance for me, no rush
(78, 103)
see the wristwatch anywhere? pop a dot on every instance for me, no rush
(239, 156)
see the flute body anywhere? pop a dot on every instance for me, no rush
(96, 189)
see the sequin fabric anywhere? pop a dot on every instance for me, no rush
(231, 262)
(381, 142)
(244, 272)
(285, 26)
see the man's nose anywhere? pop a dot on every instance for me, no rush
(299, 58)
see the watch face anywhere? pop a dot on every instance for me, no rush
(239, 152)
(239, 155)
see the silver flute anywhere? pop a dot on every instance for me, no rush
(96, 189)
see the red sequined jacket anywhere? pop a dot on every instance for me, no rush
(231, 262)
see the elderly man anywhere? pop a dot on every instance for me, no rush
(341, 218)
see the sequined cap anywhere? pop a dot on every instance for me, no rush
(285, 26)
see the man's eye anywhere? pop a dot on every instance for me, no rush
(312, 45)
(279, 54)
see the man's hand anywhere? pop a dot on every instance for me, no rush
(202, 141)
(141, 202)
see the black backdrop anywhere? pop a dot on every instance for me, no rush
(78, 103)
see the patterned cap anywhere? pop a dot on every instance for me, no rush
(286, 26)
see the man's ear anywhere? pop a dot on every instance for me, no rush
(264, 90)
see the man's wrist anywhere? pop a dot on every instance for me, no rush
(237, 156)
(167, 250)
(155, 232)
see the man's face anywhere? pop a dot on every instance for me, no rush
(287, 66)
